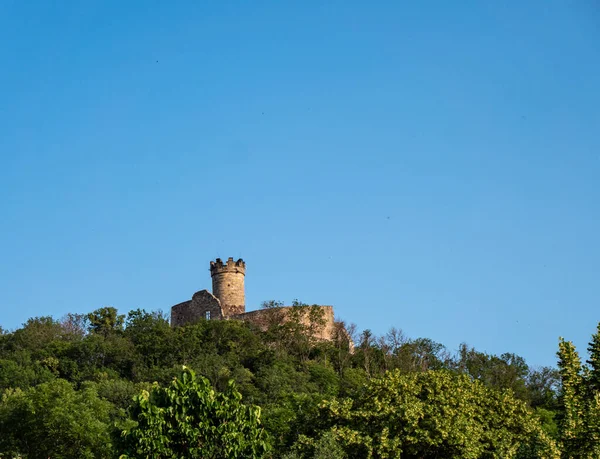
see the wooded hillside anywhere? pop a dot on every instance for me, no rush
(103, 385)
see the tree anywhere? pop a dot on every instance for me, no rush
(594, 360)
(367, 351)
(580, 406)
(35, 335)
(430, 415)
(189, 419)
(54, 420)
(342, 346)
(294, 329)
(571, 423)
(105, 321)
(75, 325)
(421, 354)
(326, 447)
(542, 385)
(22, 374)
(152, 336)
(542, 395)
(509, 371)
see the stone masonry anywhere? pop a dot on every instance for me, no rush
(203, 305)
(263, 318)
(228, 302)
(228, 285)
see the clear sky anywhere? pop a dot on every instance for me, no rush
(433, 166)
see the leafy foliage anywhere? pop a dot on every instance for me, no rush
(84, 374)
(105, 321)
(594, 360)
(190, 419)
(580, 403)
(430, 415)
(54, 420)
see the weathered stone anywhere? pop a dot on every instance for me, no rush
(228, 302)
(228, 285)
(203, 305)
(321, 328)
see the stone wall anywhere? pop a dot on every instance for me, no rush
(319, 320)
(264, 318)
(203, 305)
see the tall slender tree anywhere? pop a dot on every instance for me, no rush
(594, 360)
(579, 425)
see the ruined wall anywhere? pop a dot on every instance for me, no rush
(228, 302)
(191, 311)
(228, 285)
(264, 318)
(319, 320)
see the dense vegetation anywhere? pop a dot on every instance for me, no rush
(103, 385)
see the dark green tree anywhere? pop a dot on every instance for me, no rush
(55, 420)
(508, 371)
(152, 337)
(542, 385)
(594, 361)
(105, 321)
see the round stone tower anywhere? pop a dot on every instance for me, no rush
(228, 285)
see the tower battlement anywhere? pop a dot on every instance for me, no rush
(228, 285)
(230, 266)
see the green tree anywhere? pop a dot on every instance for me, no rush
(431, 415)
(293, 330)
(35, 336)
(152, 337)
(593, 391)
(54, 420)
(22, 373)
(572, 422)
(542, 386)
(190, 419)
(97, 353)
(326, 447)
(580, 406)
(508, 371)
(594, 360)
(421, 354)
(105, 321)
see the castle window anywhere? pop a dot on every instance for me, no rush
(207, 315)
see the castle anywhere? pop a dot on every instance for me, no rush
(227, 301)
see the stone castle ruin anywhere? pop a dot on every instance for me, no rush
(227, 301)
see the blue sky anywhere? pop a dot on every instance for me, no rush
(432, 166)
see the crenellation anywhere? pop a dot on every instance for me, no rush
(228, 285)
(227, 301)
(230, 265)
